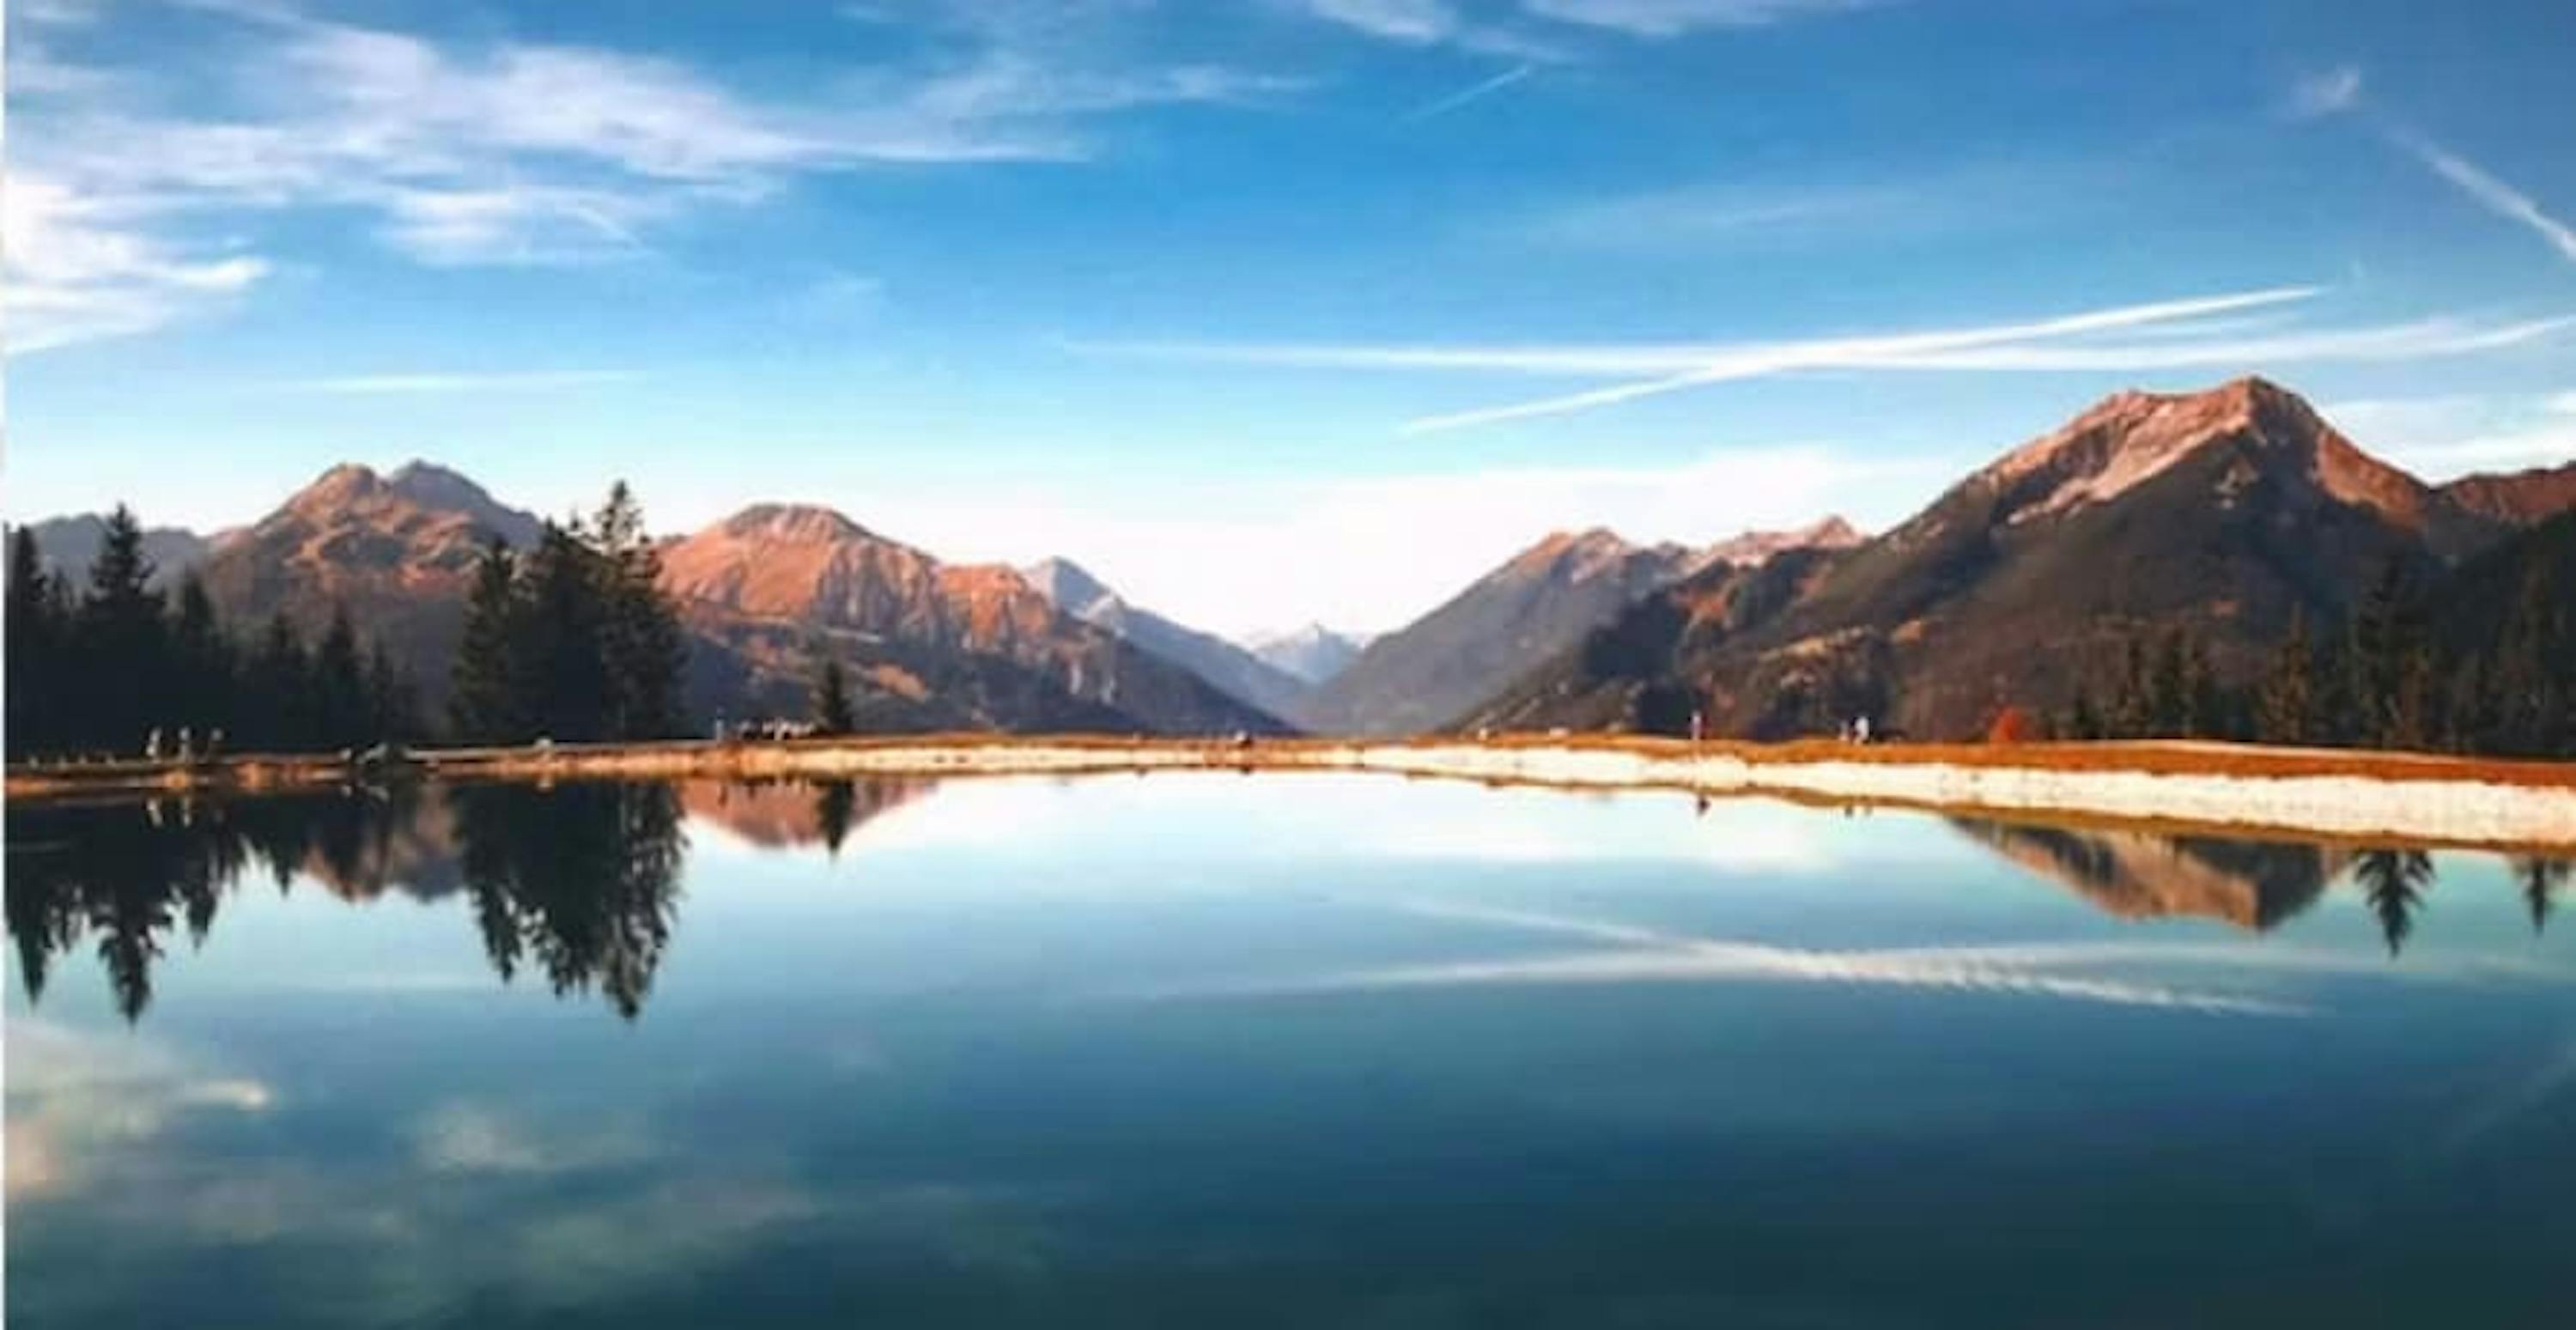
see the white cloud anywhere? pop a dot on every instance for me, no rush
(80, 269)
(1622, 953)
(1693, 217)
(371, 385)
(2326, 92)
(80, 1101)
(1473, 92)
(1672, 18)
(506, 152)
(2336, 91)
(1419, 21)
(2198, 332)
(1884, 351)
(2443, 437)
(2489, 192)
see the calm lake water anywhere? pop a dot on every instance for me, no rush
(1217, 1051)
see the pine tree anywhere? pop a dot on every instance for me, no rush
(278, 683)
(2084, 720)
(557, 641)
(340, 684)
(2530, 681)
(2286, 708)
(832, 712)
(392, 706)
(641, 643)
(202, 680)
(2214, 710)
(122, 650)
(2169, 705)
(2132, 712)
(34, 635)
(483, 685)
(2375, 660)
(2411, 708)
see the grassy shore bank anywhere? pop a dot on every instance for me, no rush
(2227, 787)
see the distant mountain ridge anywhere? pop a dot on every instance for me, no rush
(2223, 512)
(1231, 669)
(67, 544)
(1313, 653)
(775, 587)
(1538, 604)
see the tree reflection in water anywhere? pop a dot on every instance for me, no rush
(2393, 883)
(583, 879)
(2542, 880)
(581, 883)
(2253, 884)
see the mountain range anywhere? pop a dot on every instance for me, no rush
(67, 544)
(1535, 606)
(2226, 512)
(776, 587)
(2223, 513)
(1237, 672)
(1313, 653)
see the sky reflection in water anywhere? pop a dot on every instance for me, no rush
(1281, 1050)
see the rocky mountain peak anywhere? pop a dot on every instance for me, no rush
(793, 524)
(1755, 547)
(2132, 437)
(1070, 586)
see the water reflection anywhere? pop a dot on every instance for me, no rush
(2138, 875)
(581, 884)
(2255, 885)
(2542, 880)
(1329, 1051)
(583, 880)
(783, 815)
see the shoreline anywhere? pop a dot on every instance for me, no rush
(2224, 788)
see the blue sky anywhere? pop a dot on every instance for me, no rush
(1273, 310)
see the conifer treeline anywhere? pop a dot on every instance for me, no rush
(2390, 676)
(99, 668)
(573, 640)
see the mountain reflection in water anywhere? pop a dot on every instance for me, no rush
(581, 883)
(2252, 884)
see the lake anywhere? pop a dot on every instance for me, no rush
(1282, 1050)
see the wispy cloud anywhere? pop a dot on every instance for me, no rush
(1691, 218)
(2443, 436)
(1415, 21)
(495, 152)
(2173, 334)
(2338, 91)
(2326, 92)
(1441, 23)
(2487, 191)
(80, 269)
(1671, 18)
(1473, 92)
(1630, 954)
(378, 385)
(1704, 361)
